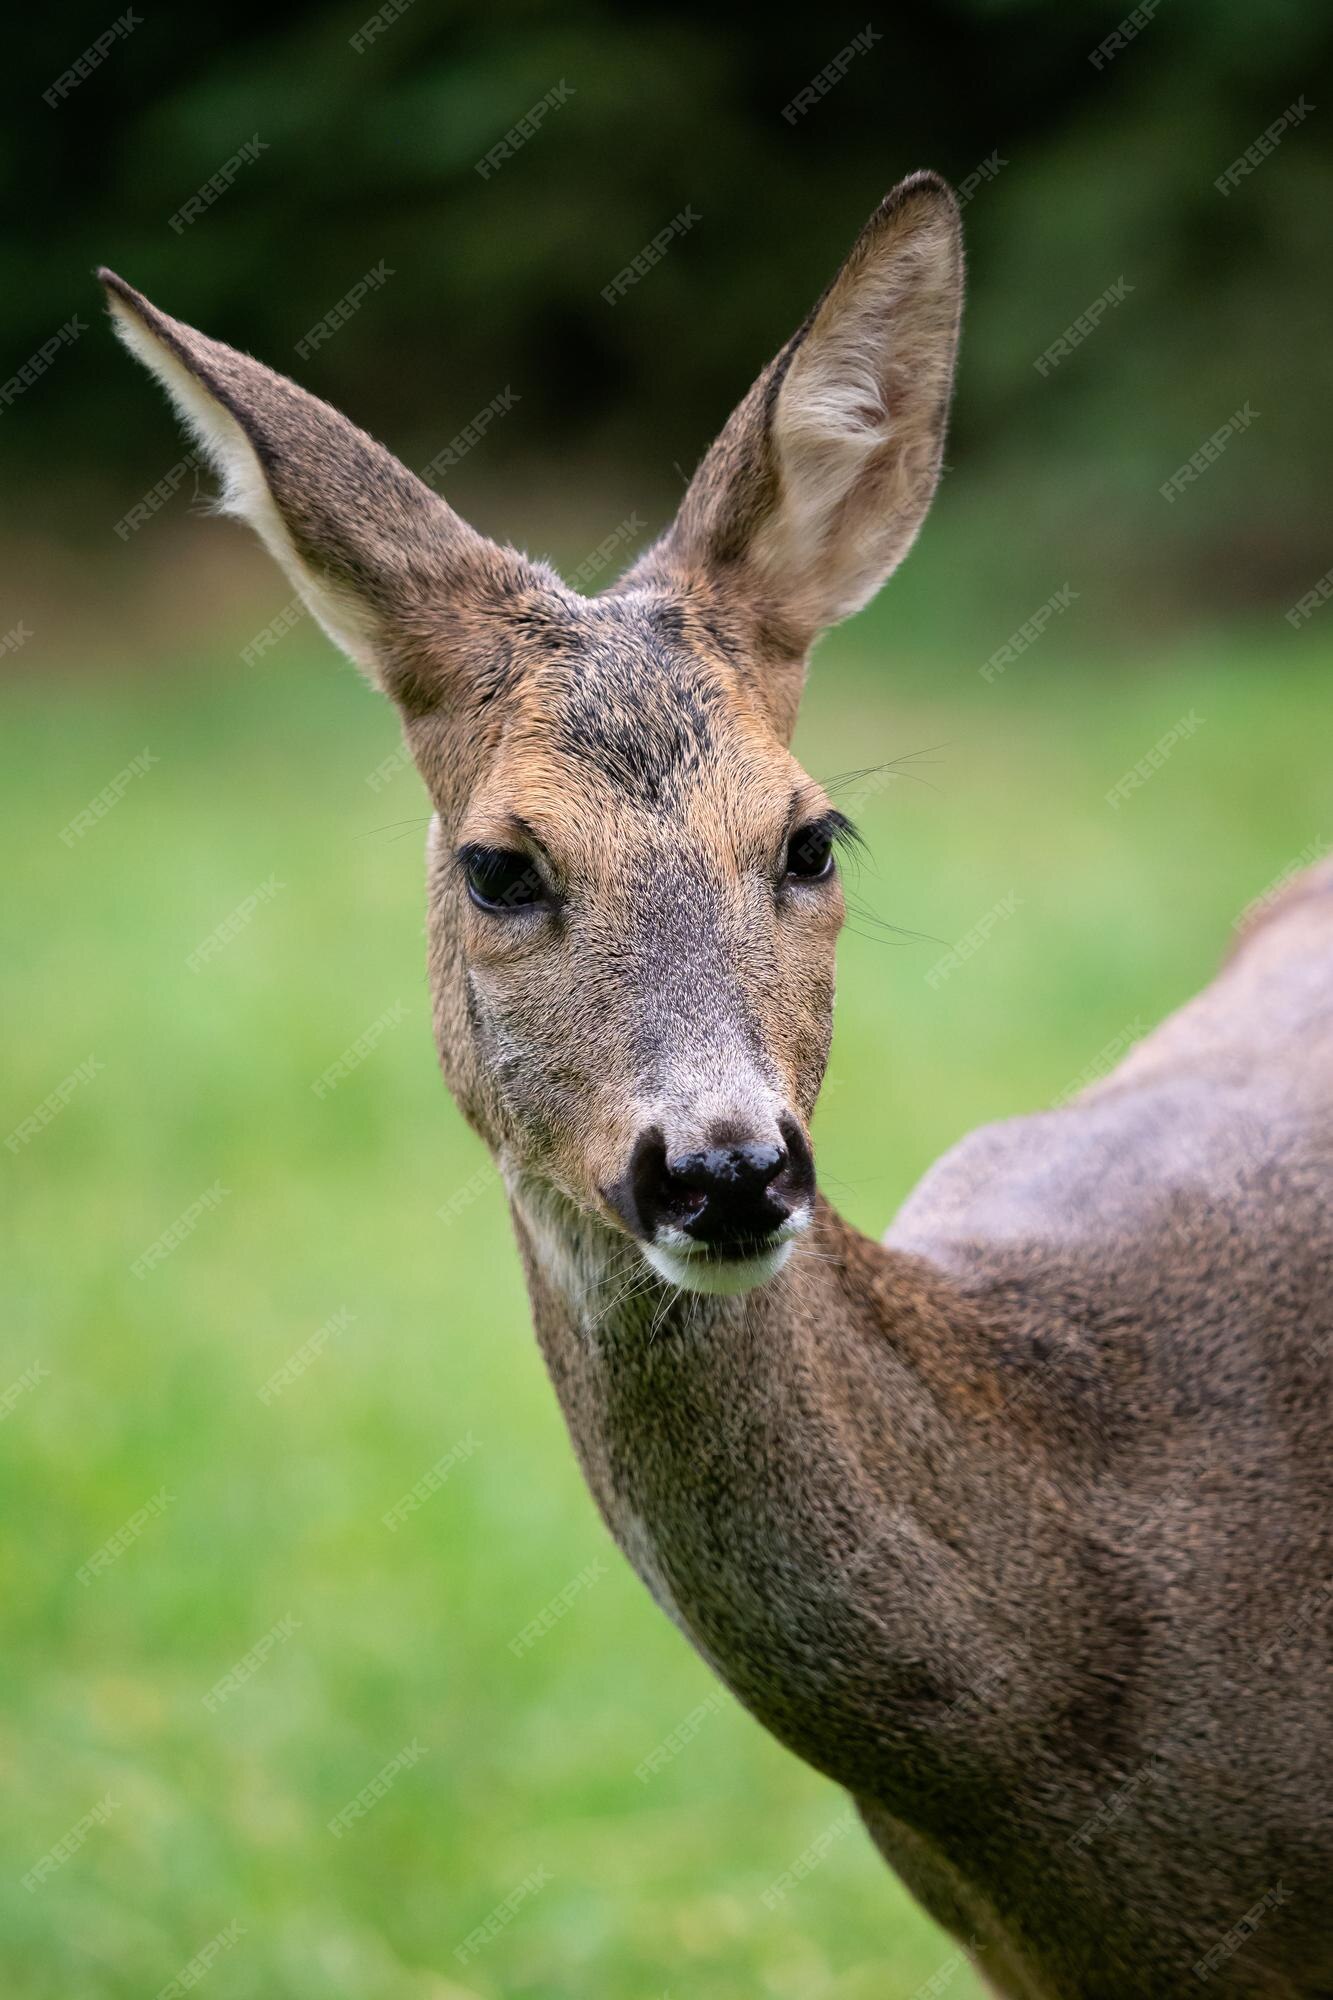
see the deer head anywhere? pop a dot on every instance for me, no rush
(633, 895)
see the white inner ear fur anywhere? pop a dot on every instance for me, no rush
(860, 409)
(245, 491)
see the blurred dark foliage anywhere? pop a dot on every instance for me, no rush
(371, 158)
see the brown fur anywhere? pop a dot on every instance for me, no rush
(1018, 1525)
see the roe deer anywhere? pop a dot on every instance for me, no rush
(1020, 1525)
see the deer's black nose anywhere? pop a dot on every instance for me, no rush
(725, 1170)
(730, 1197)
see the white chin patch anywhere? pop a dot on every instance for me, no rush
(693, 1271)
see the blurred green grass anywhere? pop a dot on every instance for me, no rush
(332, 1203)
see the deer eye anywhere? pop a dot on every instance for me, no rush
(498, 880)
(810, 852)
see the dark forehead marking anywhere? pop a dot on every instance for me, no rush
(630, 700)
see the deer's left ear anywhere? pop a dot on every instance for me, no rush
(369, 547)
(816, 487)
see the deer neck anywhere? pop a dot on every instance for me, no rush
(783, 1469)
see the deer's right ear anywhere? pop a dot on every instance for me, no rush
(366, 543)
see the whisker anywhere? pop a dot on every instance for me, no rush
(895, 767)
(864, 914)
(638, 1281)
(813, 1256)
(668, 1298)
(628, 1263)
(394, 826)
